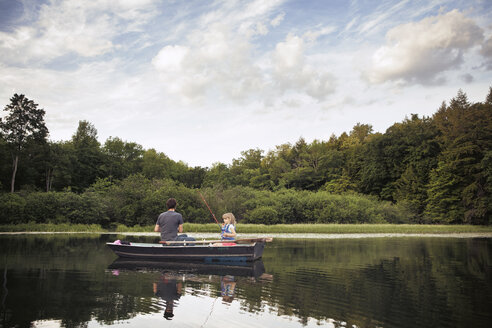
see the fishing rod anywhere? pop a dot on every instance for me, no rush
(203, 198)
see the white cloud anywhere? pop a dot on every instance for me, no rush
(419, 52)
(292, 73)
(289, 55)
(84, 28)
(311, 35)
(277, 20)
(261, 28)
(170, 58)
(380, 17)
(351, 24)
(217, 60)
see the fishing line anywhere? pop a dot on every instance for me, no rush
(203, 198)
(211, 310)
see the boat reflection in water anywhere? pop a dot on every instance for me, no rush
(247, 269)
(176, 276)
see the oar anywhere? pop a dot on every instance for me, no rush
(203, 198)
(237, 241)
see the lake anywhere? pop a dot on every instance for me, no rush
(69, 280)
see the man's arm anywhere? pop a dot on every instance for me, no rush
(157, 228)
(180, 228)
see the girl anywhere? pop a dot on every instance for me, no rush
(228, 227)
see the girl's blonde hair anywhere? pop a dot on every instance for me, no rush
(231, 217)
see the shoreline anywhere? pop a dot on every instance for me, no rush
(278, 235)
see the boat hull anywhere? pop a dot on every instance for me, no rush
(239, 252)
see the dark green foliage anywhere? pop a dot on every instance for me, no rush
(374, 174)
(247, 167)
(218, 176)
(12, 208)
(138, 201)
(22, 126)
(458, 191)
(193, 177)
(86, 158)
(263, 214)
(5, 164)
(59, 166)
(121, 158)
(422, 170)
(412, 152)
(42, 207)
(156, 165)
(86, 208)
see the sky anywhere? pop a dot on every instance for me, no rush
(203, 81)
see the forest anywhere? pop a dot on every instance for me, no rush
(434, 170)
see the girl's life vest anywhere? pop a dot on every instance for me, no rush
(226, 229)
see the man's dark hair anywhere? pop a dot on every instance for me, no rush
(171, 203)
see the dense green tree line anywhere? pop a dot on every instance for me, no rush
(435, 169)
(138, 200)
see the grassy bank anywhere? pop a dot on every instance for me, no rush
(260, 228)
(343, 228)
(48, 227)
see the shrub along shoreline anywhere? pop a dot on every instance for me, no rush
(260, 228)
(137, 201)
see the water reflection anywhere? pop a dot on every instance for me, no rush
(169, 289)
(73, 281)
(227, 287)
(247, 269)
(195, 277)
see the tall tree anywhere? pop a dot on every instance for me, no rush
(122, 158)
(24, 123)
(247, 167)
(457, 189)
(87, 156)
(58, 165)
(415, 140)
(5, 165)
(218, 176)
(277, 163)
(373, 174)
(193, 177)
(156, 165)
(352, 146)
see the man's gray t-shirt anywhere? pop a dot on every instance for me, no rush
(169, 222)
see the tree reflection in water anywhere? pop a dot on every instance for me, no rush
(397, 282)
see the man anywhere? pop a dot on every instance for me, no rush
(170, 223)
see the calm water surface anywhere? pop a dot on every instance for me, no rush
(76, 281)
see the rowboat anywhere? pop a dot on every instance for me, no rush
(206, 250)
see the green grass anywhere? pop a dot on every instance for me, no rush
(49, 227)
(260, 228)
(342, 228)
